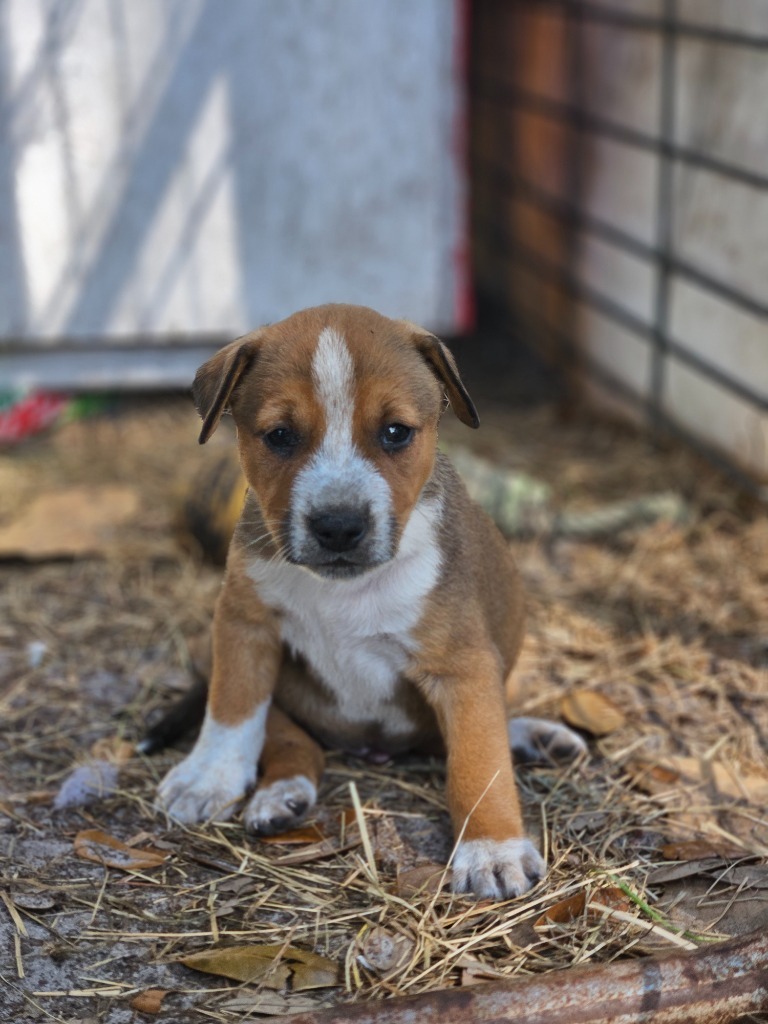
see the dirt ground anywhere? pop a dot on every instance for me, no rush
(654, 639)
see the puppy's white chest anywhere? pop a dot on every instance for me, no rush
(357, 634)
(359, 667)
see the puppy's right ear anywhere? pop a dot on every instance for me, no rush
(217, 379)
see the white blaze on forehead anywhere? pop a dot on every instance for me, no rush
(338, 474)
(333, 376)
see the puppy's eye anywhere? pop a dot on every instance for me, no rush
(395, 436)
(281, 440)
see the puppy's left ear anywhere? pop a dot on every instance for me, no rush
(442, 364)
(217, 379)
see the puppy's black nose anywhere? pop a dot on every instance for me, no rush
(339, 529)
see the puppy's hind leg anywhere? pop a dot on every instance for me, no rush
(290, 770)
(537, 739)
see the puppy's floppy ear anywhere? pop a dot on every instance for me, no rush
(442, 364)
(217, 379)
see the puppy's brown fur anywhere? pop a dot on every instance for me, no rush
(368, 604)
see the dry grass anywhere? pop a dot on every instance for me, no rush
(669, 622)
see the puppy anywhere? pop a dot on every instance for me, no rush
(368, 604)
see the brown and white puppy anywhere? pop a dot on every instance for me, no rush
(368, 604)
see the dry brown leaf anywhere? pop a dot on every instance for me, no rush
(716, 778)
(425, 878)
(687, 869)
(269, 1004)
(150, 1000)
(113, 749)
(470, 977)
(308, 834)
(384, 953)
(33, 900)
(101, 848)
(70, 523)
(726, 779)
(304, 835)
(306, 854)
(700, 849)
(274, 966)
(653, 778)
(596, 714)
(388, 848)
(754, 876)
(577, 906)
(475, 972)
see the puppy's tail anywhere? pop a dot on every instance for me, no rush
(184, 716)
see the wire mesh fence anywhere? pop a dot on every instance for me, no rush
(572, 96)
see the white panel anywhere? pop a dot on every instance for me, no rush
(624, 75)
(749, 16)
(644, 7)
(200, 166)
(727, 122)
(626, 280)
(718, 417)
(621, 187)
(621, 352)
(721, 227)
(722, 335)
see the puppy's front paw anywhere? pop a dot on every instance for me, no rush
(279, 806)
(193, 792)
(497, 869)
(538, 739)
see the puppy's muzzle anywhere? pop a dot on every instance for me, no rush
(341, 529)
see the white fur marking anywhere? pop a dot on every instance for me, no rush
(496, 869)
(278, 802)
(355, 633)
(217, 773)
(337, 474)
(333, 374)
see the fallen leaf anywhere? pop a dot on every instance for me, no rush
(296, 836)
(318, 973)
(655, 779)
(238, 884)
(97, 846)
(273, 966)
(315, 851)
(700, 849)
(726, 779)
(269, 1004)
(475, 972)
(311, 833)
(384, 953)
(591, 711)
(150, 1000)
(33, 900)
(424, 878)
(687, 869)
(716, 778)
(69, 523)
(242, 963)
(576, 907)
(754, 876)
(113, 749)
(388, 848)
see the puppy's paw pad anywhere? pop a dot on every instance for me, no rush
(497, 869)
(189, 797)
(538, 739)
(279, 806)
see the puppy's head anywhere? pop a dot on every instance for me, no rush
(336, 410)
